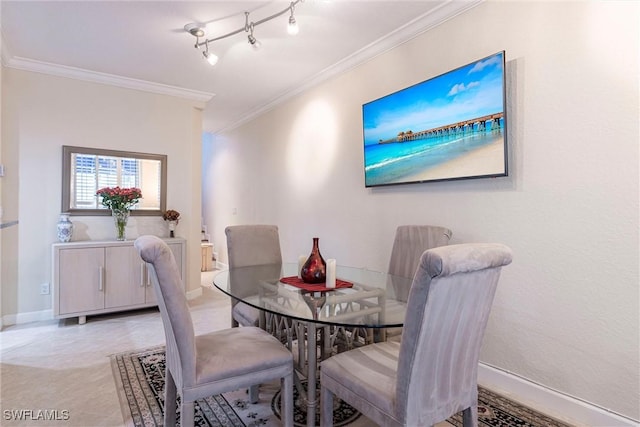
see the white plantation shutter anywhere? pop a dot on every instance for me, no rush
(93, 172)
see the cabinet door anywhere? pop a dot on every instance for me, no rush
(124, 281)
(81, 275)
(150, 296)
(176, 248)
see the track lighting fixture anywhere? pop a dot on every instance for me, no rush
(194, 29)
(292, 28)
(212, 58)
(255, 43)
(248, 27)
(197, 31)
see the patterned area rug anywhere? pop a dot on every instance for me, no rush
(498, 411)
(139, 377)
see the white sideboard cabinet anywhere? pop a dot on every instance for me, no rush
(95, 277)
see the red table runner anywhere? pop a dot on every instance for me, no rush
(314, 287)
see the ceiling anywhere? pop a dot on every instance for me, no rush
(143, 45)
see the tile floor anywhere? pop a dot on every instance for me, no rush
(59, 365)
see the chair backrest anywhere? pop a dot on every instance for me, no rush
(176, 319)
(409, 244)
(447, 313)
(253, 245)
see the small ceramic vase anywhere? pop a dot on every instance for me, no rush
(172, 228)
(315, 269)
(65, 228)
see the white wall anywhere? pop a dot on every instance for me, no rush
(1, 209)
(41, 114)
(566, 314)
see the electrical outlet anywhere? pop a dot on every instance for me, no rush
(44, 289)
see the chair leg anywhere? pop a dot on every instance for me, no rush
(287, 400)
(254, 393)
(187, 414)
(326, 405)
(470, 416)
(169, 400)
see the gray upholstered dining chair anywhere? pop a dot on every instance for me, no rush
(409, 244)
(432, 374)
(251, 245)
(212, 363)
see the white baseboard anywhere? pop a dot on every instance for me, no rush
(195, 293)
(557, 405)
(32, 316)
(36, 316)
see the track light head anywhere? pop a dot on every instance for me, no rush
(255, 43)
(211, 58)
(194, 29)
(292, 28)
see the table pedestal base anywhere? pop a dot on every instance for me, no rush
(343, 413)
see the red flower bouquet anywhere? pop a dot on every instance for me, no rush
(119, 199)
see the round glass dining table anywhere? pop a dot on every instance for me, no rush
(362, 299)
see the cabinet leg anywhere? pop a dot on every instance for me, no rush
(82, 320)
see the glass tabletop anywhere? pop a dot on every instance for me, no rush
(376, 300)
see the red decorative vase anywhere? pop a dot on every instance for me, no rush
(315, 269)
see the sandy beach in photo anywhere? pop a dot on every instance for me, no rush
(485, 160)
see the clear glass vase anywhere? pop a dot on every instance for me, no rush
(120, 217)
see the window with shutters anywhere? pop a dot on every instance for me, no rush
(86, 170)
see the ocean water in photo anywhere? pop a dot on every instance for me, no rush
(393, 162)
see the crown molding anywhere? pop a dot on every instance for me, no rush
(26, 64)
(410, 30)
(104, 78)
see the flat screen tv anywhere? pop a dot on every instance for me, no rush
(449, 127)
